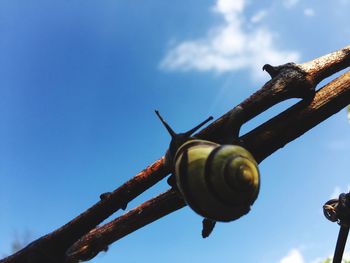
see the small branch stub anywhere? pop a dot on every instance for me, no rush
(292, 80)
(262, 142)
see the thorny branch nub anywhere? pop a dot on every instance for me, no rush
(262, 141)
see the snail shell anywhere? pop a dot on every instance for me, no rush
(219, 182)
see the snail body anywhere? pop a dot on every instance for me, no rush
(219, 182)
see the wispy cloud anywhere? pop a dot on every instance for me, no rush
(258, 16)
(290, 3)
(293, 256)
(346, 256)
(296, 256)
(230, 46)
(309, 12)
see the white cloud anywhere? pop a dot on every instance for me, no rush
(318, 260)
(229, 46)
(346, 256)
(309, 12)
(228, 7)
(258, 16)
(293, 256)
(290, 3)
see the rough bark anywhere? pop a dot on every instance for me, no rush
(262, 142)
(288, 81)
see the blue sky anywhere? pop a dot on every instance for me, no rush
(79, 84)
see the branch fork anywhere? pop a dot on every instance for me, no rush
(81, 239)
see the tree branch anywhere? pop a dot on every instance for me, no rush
(294, 122)
(262, 142)
(288, 81)
(99, 238)
(52, 247)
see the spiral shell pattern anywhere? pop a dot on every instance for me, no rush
(219, 182)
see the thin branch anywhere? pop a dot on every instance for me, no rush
(325, 66)
(295, 121)
(288, 81)
(52, 247)
(99, 238)
(262, 142)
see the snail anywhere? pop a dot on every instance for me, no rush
(219, 182)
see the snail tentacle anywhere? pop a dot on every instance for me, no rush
(219, 182)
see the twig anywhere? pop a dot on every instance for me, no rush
(262, 142)
(288, 81)
(300, 118)
(325, 66)
(304, 78)
(52, 247)
(99, 238)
